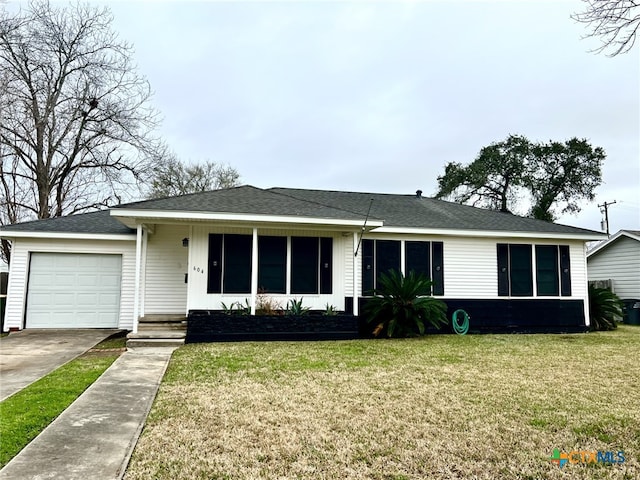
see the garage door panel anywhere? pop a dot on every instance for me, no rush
(74, 290)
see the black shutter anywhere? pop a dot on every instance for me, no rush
(437, 267)
(237, 263)
(214, 270)
(416, 258)
(368, 267)
(565, 271)
(326, 265)
(503, 270)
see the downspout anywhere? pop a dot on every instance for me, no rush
(136, 289)
(254, 271)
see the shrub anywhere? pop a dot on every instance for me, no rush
(402, 306)
(295, 308)
(604, 308)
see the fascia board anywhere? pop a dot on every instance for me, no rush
(488, 233)
(67, 236)
(147, 215)
(614, 238)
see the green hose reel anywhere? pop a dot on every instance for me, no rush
(460, 328)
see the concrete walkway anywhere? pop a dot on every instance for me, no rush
(30, 354)
(95, 436)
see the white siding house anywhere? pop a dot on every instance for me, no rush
(618, 260)
(194, 253)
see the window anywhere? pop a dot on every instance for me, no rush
(515, 270)
(547, 279)
(311, 265)
(380, 256)
(230, 258)
(305, 261)
(272, 264)
(229, 264)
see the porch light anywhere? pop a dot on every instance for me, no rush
(185, 242)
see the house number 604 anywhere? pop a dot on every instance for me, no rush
(198, 269)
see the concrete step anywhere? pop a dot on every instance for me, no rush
(142, 343)
(163, 318)
(148, 327)
(159, 334)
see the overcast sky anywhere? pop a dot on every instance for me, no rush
(379, 96)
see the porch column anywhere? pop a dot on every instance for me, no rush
(254, 271)
(356, 277)
(136, 289)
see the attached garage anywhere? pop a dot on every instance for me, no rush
(73, 290)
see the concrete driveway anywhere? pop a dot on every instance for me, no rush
(30, 354)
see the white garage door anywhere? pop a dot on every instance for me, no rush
(68, 290)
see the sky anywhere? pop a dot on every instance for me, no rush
(379, 96)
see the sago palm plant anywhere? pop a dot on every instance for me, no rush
(402, 306)
(604, 307)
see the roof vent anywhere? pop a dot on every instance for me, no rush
(418, 193)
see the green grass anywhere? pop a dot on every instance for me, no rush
(25, 414)
(486, 406)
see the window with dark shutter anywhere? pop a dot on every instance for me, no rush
(368, 267)
(272, 264)
(214, 271)
(503, 269)
(437, 267)
(304, 265)
(237, 264)
(387, 256)
(417, 258)
(565, 271)
(521, 270)
(547, 278)
(326, 265)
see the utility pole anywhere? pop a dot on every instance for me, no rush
(605, 207)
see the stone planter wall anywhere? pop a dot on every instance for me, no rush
(207, 326)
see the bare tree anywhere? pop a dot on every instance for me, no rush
(75, 119)
(172, 177)
(615, 22)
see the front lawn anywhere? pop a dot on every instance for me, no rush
(483, 406)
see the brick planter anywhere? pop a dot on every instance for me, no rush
(207, 326)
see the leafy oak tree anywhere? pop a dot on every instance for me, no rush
(76, 124)
(171, 177)
(553, 176)
(492, 180)
(614, 22)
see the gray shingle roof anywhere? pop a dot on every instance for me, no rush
(403, 211)
(94, 222)
(246, 199)
(413, 212)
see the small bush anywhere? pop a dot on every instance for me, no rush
(402, 306)
(605, 307)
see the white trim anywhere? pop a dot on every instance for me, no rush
(487, 233)
(356, 276)
(254, 271)
(612, 239)
(122, 214)
(136, 291)
(9, 235)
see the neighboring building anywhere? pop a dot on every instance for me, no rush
(190, 253)
(617, 260)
